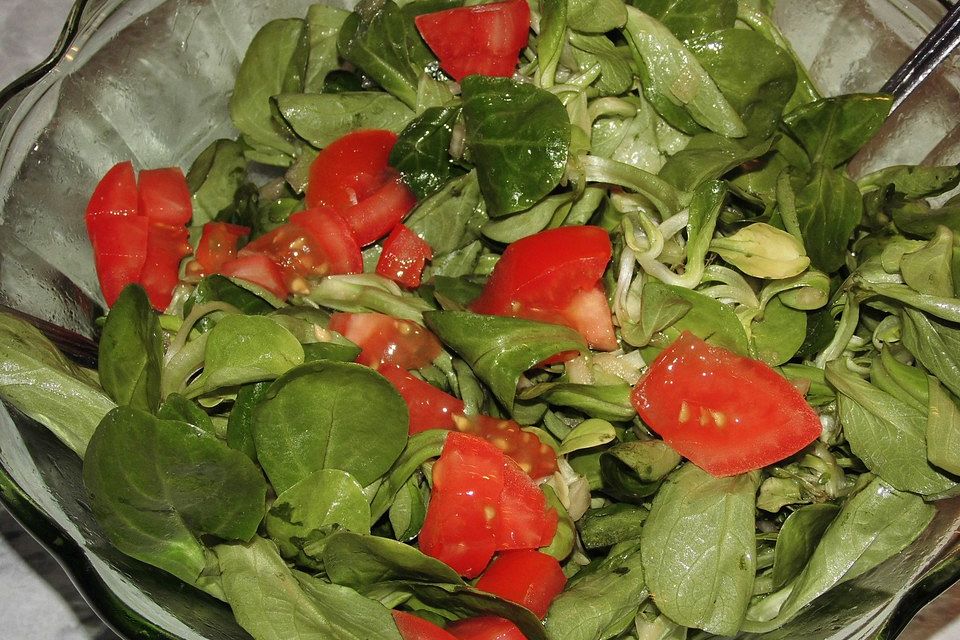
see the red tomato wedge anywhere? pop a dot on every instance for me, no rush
(483, 39)
(554, 276)
(528, 578)
(404, 257)
(726, 413)
(258, 269)
(459, 528)
(430, 408)
(353, 177)
(116, 193)
(387, 340)
(535, 458)
(524, 520)
(416, 628)
(166, 247)
(332, 240)
(485, 628)
(165, 196)
(118, 263)
(218, 245)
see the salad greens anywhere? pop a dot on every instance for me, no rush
(233, 443)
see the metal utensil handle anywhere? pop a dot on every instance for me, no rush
(934, 49)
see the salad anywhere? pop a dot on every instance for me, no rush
(560, 320)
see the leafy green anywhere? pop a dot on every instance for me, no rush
(612, 524)
(596, 16)
(688, 19)
(421, 153)
(518, 136)
(131, 351)
(829, 207)
(214, 178)
(935, 344)
(178, 407)
(943, 430)
(321, 118)
(451, 218)
(240, 422)
(832, 130)
(607, 402)
(699, 551)
(798, 539)
(323, 25)
(313, 416)
(632, 471)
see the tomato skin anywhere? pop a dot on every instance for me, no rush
(218, 245)
(333, 239)
(352, 176)
(165, 196)
(430, 408)
(416, 628)
(166, 247)
(528, 578)
(258, 269)
(554, 276)
(116, 193)
(404, 257)
(459, 528)
(535, 458)
(117, 264)
(524, 521)
(485, 628)
(726, 413)
(387, 340)
(481, 39)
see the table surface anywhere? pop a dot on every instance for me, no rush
(37, 600)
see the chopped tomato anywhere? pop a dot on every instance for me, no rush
(533, 456)
(726, 413)
(258, 269)
(554, 276)
(118, 263)
(166, 247)
(484, 39)
(116, 193)
(165, 196)
(353, 177)
(387, 340)
(525, 521)
(218, 245)
(459, 528)
(332, 240)
(404, 256)
(528, 578)
(430, 408)
(485, 628)
(416, 628)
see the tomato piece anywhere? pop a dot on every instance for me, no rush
(528, 578)
(430, 408)
(258, 269)
(166, 247)
(332, 239)
(387, 340)
(404, 256)
(482, 39)
(118, 263)
(533, 456)
(165, 196)
(485, 628)
(353, 177)
(116, 193)
(726, 413)
(524, 521)
(459, 528)
(416, 628)
(554, 276)
(218, 245)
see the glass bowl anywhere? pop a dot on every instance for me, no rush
(149, 80)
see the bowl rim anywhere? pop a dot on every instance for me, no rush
(126, 622)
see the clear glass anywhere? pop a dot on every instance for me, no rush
(149, 80)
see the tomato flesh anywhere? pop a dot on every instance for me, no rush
(166, 247)
(726, 413)
(352, 177)
(482, 39)
(118, 263)
(165, 196)
(430, 408)
(527, 577)
(525, 521)
(332, 240)
(537, 459)
(459, 528)
(404, 257)
(416, 628)
(554, 276)
(258, 269)
(116, 193)
(218, 245)
(386, 340)
(485, 628)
